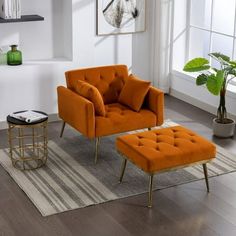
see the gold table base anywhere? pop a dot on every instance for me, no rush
(28, 145)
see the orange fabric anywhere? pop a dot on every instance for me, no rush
(79, 112)
(166, 148)
(134, 92)
(90, 92)
(120, 118)
(155, 102)
(100, 77)
(76, 111)
(115, 87)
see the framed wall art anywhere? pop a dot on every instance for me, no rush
(120, 16)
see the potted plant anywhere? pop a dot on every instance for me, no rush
(216, 81)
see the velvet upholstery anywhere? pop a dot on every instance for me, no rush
(90, 92)
(79, 112)
(103, 78)
(162, 149)
(134, 92)
(76, 111)
(154, 101)
(120, 118)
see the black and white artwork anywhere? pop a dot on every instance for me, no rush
(120, 16)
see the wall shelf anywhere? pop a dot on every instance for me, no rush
(49, 35)
(24, 18)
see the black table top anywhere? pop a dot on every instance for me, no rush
(15, 121)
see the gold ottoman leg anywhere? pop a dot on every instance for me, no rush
(123, 169)
(206, 177)
(150, 191)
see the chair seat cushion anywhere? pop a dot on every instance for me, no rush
(120, 118)
(166, 148)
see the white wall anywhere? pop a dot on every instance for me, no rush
(33, 85)
(141, 45)
(41, 40)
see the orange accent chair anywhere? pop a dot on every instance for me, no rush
(79, 111)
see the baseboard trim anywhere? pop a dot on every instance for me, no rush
(195, 102)
(51, 118)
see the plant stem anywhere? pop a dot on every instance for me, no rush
(221, 112)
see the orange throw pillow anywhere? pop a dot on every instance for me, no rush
(90, 92)
(134, 92)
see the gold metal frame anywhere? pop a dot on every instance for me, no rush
(151, 174)
(37, 147)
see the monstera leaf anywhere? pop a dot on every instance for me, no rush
(201, 79)
(233, 64)
(220, 57)
(197, 64)
(215, 79)
(214, 82)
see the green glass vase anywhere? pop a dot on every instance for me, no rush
(14, 56)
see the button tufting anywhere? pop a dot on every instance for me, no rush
(167, 152)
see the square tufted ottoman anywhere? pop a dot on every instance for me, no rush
(165, 149)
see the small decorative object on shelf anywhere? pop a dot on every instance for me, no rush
(10, 9)
(3, 57)
(14, 56)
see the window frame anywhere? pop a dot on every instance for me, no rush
(190, 26)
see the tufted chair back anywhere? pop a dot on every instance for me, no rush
(109, 80)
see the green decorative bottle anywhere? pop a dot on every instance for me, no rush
(14, 56)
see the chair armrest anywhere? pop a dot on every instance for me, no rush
(155, 102)
(76, 111)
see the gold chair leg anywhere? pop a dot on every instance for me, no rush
(96, 149)
(123, 169)
(62, 128)
(206, 177)
(150, 191)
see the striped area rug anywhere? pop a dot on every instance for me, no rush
(70, 180)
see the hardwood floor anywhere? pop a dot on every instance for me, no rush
(183, 210)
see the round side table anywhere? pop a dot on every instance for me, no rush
(27, 142)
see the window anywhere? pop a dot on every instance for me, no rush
(203, 26)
